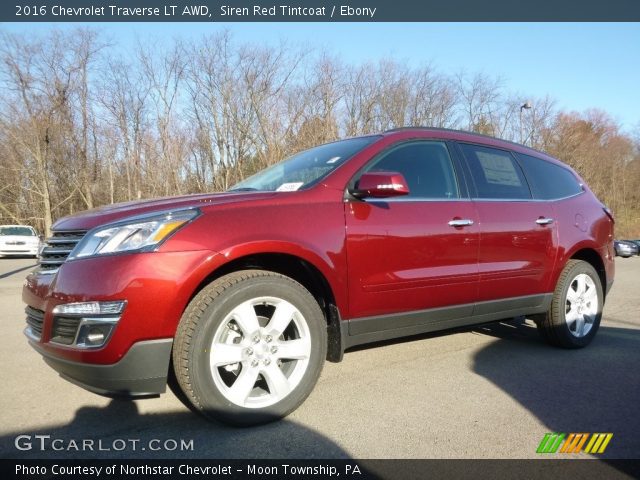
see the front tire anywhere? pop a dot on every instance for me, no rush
(250, 347)
(576, 309)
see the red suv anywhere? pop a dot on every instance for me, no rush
(239, 297)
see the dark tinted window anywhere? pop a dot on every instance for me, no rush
(549, 181)
(495, 173)
(426, 166)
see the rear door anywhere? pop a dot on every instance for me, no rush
(517, 233)
(403, 254)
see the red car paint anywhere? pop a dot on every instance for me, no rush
(376, 261)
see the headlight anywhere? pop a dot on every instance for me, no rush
(139, 234)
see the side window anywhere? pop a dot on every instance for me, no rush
(495, 173)
(426, 166)
(548, 181)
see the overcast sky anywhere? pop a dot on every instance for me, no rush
(581, 65)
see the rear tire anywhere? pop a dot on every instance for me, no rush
(250, 347)
(576, 309)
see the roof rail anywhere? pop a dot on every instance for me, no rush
(453, 130)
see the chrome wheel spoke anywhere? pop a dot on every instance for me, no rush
(294, 349)
(281, 318)
(571, 317)
(579, 325)
(276, 380)
(572, 295)
(591, 294)
(581, 286)
(243, 385)
(246, 318)
(589, 318)
(225, 354)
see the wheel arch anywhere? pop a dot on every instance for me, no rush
(592, 257)
(300, 269)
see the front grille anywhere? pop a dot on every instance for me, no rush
(64, 330)
(35, 319)
(57, 248)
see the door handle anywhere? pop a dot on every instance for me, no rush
(460, 222)
(544, 221)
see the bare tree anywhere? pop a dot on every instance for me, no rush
(124, 97)
(83, 124)
(480, 100)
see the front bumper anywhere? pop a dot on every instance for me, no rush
(156, 286)
(135, 360)
(18, 251)
(141, 372)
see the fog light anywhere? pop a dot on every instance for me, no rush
(95, 336)
(95, 332)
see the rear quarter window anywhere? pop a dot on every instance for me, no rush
(548, 181)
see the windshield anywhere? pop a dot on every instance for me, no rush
(305, 168)
(24, 231)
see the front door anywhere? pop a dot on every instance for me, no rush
(415, 252)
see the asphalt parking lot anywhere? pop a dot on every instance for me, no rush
(490, 392)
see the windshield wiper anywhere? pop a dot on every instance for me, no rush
(244, 189)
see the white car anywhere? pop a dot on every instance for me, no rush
(19, 240)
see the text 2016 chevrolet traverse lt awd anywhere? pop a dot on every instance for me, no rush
(241, 296)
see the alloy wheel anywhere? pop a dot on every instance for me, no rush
(581, 306)
(260, 352)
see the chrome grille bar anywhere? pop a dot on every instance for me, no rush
(35, 321)
(57, 249)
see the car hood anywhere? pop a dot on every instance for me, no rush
(112, 213)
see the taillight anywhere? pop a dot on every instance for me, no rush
(609, 213)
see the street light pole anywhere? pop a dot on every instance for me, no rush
(525, 105)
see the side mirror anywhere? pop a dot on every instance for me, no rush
(380, 185)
